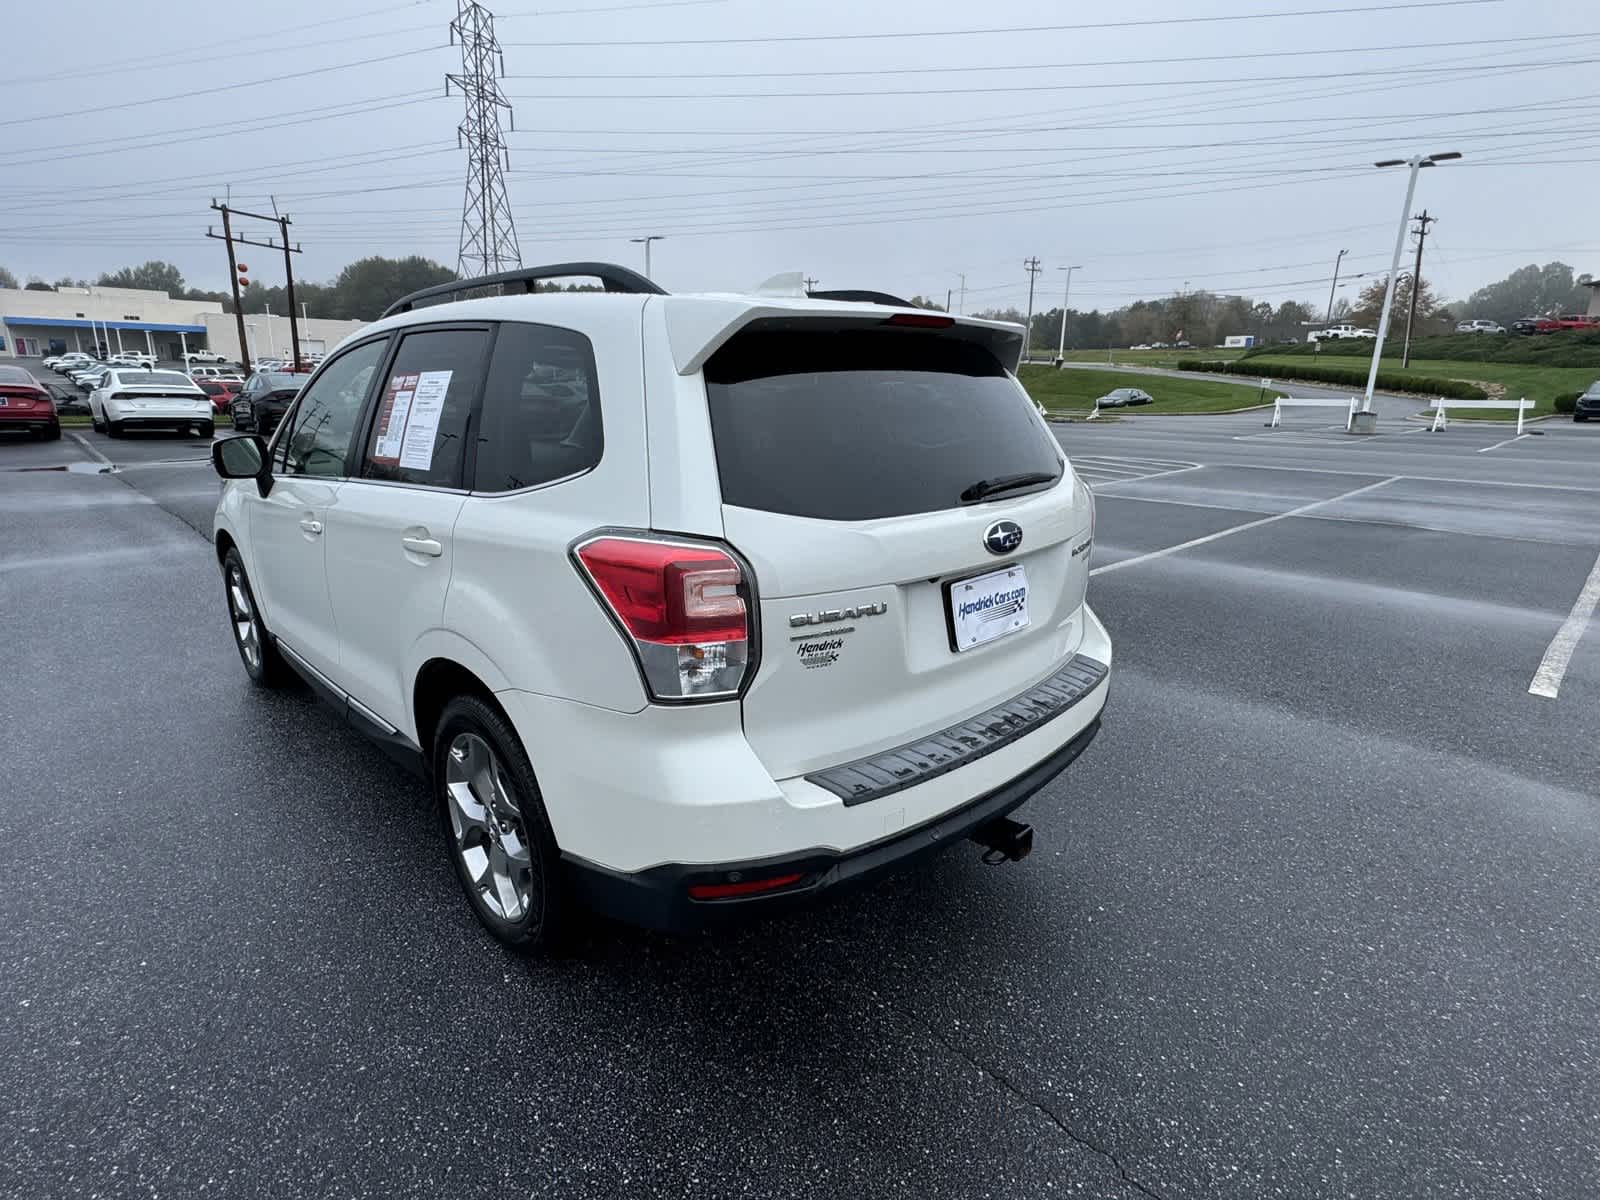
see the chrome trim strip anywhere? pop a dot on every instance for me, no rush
(369, 715)
(302, 665)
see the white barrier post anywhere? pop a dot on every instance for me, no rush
(1440, 421)
(1313, 402)
(1095, 411)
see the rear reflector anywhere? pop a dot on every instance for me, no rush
(746, 887)
(922, 320)
(682, 606)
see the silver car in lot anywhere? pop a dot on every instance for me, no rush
(1124, 397)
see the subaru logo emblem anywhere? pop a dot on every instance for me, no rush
(1002, 537)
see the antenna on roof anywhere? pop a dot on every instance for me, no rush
(790, 285)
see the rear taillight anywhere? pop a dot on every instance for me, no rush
(684, 607)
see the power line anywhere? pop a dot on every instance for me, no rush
(212, 89)
(101, 70)
(1032, 87)
(1074, 64)
(935, 33)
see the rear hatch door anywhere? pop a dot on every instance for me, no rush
(917, 538)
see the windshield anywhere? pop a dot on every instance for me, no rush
(283, 379)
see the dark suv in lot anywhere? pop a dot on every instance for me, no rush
(1588, 404)
(264, 399)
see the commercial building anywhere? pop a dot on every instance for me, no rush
(269, 336)
(108, 319)
(71, 318)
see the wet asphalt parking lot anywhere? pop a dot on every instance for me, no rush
(1315, 916)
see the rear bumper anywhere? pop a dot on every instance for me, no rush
(659, 898)
(148, 422)
(31, 423)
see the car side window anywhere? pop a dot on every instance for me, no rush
(317, 434)
(425, 408)
(541, 409)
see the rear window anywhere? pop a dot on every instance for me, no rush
(153, 379)
(852, 426)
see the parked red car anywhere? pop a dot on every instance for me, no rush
(25, 406)
(221, 391)
(1576, 321)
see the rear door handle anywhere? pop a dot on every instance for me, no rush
(311, 524)
(423, 545)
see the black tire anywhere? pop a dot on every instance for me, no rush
(53, 434)
(1579, 417)
(207, 430)
(113, 428)
(266, 668)
(95, 423)
(550, 912)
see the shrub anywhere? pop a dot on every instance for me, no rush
(1388, 381)
(1566, 402)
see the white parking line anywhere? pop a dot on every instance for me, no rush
(1229, 532)
(1507, 442)
(1547, 679)
(84, 442)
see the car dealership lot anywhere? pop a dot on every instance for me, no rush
(1314, 915)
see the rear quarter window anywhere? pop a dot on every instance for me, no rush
(855, 426)
(541, 409)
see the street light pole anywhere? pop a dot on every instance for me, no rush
(1416, 164)
(1328, 320)
(646, 240)
(1061, 353)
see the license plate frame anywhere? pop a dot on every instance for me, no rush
(983, 626)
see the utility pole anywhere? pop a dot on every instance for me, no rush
(1061, 353)
(1416, 283)
(811, 284)
(962, 307)
(233, 239)
(1031, 265)
(947, 292)
(233, 278)
(1416, 164)
(1328, 320)
(488, 234)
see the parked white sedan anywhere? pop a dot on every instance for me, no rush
(130, 397)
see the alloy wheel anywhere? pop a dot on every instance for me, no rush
(246, 629)
(490, 832)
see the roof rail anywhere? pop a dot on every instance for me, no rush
(613, 277)
(860, 297)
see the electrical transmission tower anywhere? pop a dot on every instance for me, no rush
(488, 234)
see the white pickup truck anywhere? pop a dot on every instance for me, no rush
(1340, 331)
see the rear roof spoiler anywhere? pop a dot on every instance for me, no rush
(699, 326)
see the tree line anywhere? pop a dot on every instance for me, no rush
(366, 287)
(1205, 319)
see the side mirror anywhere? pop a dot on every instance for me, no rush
(243, 457)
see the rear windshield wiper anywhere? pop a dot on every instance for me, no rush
(985, 488)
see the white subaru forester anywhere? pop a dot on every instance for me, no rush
(686, 606)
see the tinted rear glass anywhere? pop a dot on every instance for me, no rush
(848, 426)
(153, 379)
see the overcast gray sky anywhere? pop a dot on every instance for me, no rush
(1233, 155)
